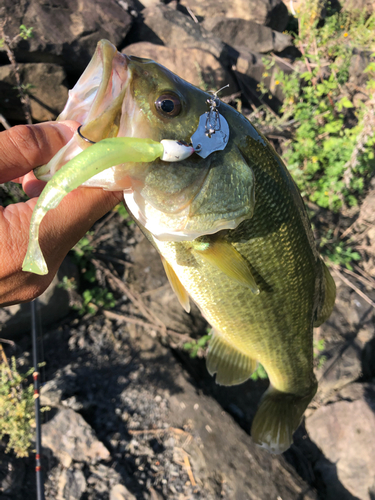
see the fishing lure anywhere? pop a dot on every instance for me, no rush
(212, 133)
(213, 124)
(96, 158)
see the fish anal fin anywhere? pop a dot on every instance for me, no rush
(329, 297)
(177, 287)
(278, 417)
(225, 257)
(231, 366)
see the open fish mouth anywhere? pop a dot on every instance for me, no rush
(94, 101)
(98, 101)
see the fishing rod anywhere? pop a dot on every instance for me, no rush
(36, 377)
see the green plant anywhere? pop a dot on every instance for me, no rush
(95, 298)
(8, 44)
(82, 253)
(338, 252)
(11, 193)
(194, 347)
(121, 210)
(319, 346)
(331, 152)
(67, 283)
(341, 255)
(26, 33)
(259, 373)
(17, 419)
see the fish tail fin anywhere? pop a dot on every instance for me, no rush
(231, 366)
(278, 417)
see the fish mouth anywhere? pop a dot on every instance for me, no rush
(97, 101)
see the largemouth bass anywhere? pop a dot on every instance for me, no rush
(231, 227)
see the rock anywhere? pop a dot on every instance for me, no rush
(248, 35)
(368, 359)
(348, 354)
(249, 69)
(344, 431)
(70, 438)
(193, 65)
(47, 92)
(177, 30)
(55, 393)
(52, 306)
(119, 492)
(65, 32)
(367, 6)
(71, 485)
(51, 393)
(359, 391)
(272, 13)
(343, 367)
(160, 423)
(219, 445)
(358, 63)
(12, 473)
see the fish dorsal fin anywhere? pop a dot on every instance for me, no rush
(231, 366)
(179, 290)
(225, 257)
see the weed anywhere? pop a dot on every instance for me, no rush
(341, 255)
(10, 193)
(331, 153)
(8, 44)
(195, 347)
(259, 373)
(94, 297)
(17, 419)
(25, 33)
(319, 346)
(121, 210)
(67, 284)
(338, 252)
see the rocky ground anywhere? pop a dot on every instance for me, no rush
(132, 415)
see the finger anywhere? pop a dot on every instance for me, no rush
(31, 185)
(26, 147)
(59, 232)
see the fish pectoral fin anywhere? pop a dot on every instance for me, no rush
(225, 257)
(231, 366)
(177, 287)
(329, 297)
(278, 417)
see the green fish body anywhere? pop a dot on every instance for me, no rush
(274, 324)
(231, 228)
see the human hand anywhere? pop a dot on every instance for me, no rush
(23, 148)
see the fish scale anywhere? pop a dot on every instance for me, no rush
(274, 327)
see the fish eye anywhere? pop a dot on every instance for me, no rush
(168, 104)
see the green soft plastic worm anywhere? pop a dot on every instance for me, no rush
(101, 156)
